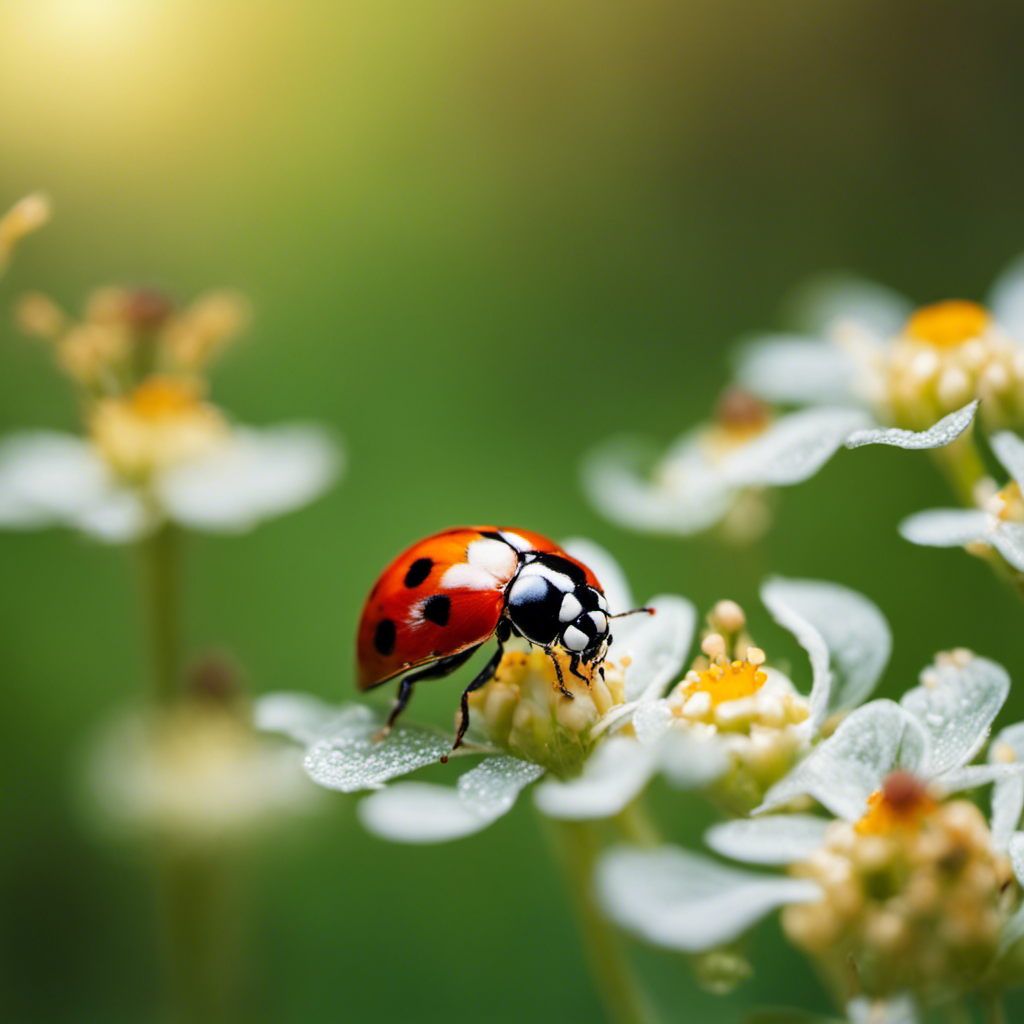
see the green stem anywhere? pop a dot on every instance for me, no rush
(995, 1012)
(962, 465)
(161, 585)
(636, 826)
(578, 844)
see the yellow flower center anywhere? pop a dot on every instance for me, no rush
(947, 324)
(901, 803)
(729, 681)
(162, 398)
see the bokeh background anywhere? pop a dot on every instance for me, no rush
(478, 237)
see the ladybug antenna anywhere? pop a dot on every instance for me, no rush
(633, 611)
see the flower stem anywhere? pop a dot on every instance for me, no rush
(161, 585)
(578, 844)
(962, 465)
(636, 826)
(995, 1012)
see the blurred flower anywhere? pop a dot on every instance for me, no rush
(910, 892)
(24, 217)
(911, 367)
(718, 472)
(744, 723)
(524, 728)
(155, 448)
(196, 773)
(998, 521)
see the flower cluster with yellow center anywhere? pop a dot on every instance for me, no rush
(947, 355)
(523, 711)
(914, 895)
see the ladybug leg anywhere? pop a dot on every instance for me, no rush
(437, 670)
(566, 692)
(574, 668)
(485, 676)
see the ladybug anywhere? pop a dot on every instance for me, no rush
(444, 597)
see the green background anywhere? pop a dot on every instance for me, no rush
(478, 237)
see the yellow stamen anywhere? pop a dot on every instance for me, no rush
(725, 681)
(902, 802)
(947, 324)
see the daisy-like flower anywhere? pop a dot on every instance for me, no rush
(904, 891)
(24, 217)
(998, 521)
(866, 344)
(155, 448)
(196, 773)
(743, 723)
(521, 726)
(717, 474)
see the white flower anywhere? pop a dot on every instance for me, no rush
(602, 772)
(884, 873)
(236, 480)
(715, 474)
(744, 724)
(998, 522)
(868, 345)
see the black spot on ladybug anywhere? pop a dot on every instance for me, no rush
(384, 637)
(418, 572)
(437, 608)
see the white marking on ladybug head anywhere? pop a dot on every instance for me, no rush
(463, 576)
(519, 543)
(527, 589)
(575, 639)
(602, 603)
(571, 607)
(492, 556)
(556, 579)
(600, 621)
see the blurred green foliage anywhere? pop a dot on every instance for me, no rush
(478, 237)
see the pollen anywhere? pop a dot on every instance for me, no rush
(726, 680)
(948, 324)
(901, 803)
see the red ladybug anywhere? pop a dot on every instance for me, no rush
(440, 600)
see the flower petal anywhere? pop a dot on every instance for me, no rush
(419, 812)
(773, 839)
(651, 721)
(619, 487)
(793, 448)
(846, 638)
(946, 527)
(843, 771)
(1008, 539)
(691, 763)
(1006, 299)
(303, 717)
(794, 370)
(830, 301)
(614, 774)
(606, 569)
(949, 428)
(676, 899)
(895, 1010)
(1007, 794)
(1013, 931)
(956, 705)
(348, 758)
(656, 645)
(970, 776)
(1009, 449)
(255, 475)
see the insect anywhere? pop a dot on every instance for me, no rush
(444, 597)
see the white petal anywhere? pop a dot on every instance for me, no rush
(793, 448)
(946, 527)
(48, 478)
(845, 635)
(1009, 449)
(793, 370)
(1007, 794)
(118, 518)
(956, 707)
(676, 899)
(348, 758)
(1006, 299)
(1014, 929)
(606, 569)
(255, 475)
(418, 812)
(949, 428)
(829, 301)
(773, 839)
(303, 717)
(651, 721)
(896, 1010)
(656, 645)
(972, 776)
(615, 773)
(619, 487)
(691, 763)
(1008, 539)
(843, 771)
